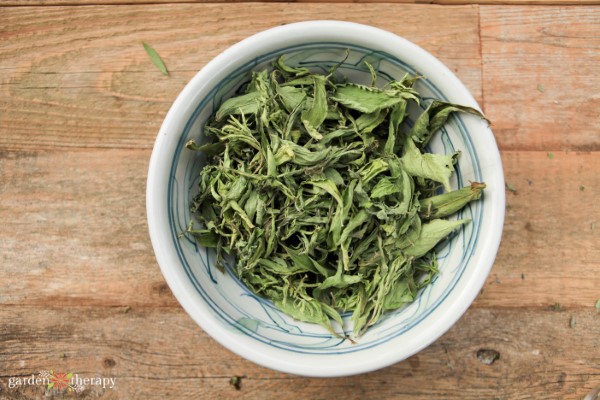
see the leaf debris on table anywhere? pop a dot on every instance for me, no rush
(326, 200)
(156, 58)
(510, 187)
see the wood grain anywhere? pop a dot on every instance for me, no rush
(551, 241)
(81, 231)
(7, 3)
(158, 353)
(79, 77)
(80, 290)
(541, 81)
(75, 229)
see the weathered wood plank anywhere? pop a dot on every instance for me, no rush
(551, 241)
(158, 353)
(74, 231)
(540, 72)
(441, 2)
(79, 77)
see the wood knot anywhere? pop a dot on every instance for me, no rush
(487, 356)
(162, 289)
(109, 362)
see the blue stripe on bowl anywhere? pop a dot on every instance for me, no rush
(330, 345)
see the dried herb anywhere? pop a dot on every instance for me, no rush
(550, 155)
(572, 322)
(236, 382)
(325, 199)
(598, 304)
(156, 59)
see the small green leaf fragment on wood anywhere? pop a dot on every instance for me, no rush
(598, 304)
(510, 187)
(156, 59)
(126, 309)
(572, 322)
(236, 382)
(523, 276)
(550, 155)
(541, 88)
(581, 188)
(557, 307)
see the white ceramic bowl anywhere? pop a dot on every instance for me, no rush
(250, 326)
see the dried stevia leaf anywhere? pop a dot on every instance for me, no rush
(364, 98)
(244, 104)
(436, 167)
(432, 233)
(446, 204)
(433, 118)
(155, 58)
(325, 200)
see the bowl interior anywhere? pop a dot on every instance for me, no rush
(252, 326)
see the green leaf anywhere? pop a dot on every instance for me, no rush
(397, 116)
(400, 294)
(364, 98)
(372, 169)
(209, 148)
(446, 204)
(244, 104)
(431, 234)
(330, 187)
(434, 117)
(437, 167)
(296, 71)
(366, 123)
(340, 280)
(385, 187)
(308, 310)
(205, 237)
(291, 97)
(156, 59)
(314, 116)
(304, 187)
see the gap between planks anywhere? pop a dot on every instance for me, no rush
(68, 3)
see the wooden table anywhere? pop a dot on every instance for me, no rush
(80, 290)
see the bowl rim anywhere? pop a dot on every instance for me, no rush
(156, 205)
